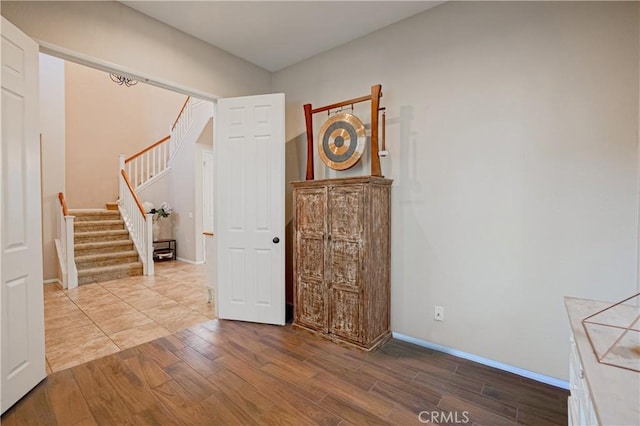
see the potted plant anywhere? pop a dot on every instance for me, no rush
(163, 212)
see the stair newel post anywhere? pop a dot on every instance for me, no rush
(72, 272)
(120, 180)
(62, 233)
(148, 242)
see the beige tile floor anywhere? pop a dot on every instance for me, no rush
(95, 320)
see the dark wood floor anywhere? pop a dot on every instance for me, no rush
(224, 372)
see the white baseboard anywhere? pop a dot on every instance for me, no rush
(52, 281)
(200, 262)
(484, 361)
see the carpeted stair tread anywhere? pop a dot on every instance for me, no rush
(98, 225)
(108, 273)
(99, 269)
(100, 244)
(89, 212)
(101, 233)
(84, 237)
(97, 247)
(82, 215)
(106, 255)
(105, 259)
(99, 222)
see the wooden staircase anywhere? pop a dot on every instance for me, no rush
(103, 250)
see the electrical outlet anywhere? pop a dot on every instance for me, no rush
(438, 313)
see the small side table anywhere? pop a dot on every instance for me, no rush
(164, 250)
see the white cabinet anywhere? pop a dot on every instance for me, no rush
(580, 404)
(600, 394)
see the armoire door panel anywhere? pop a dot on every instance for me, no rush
(311, 257)
(344, 263)
(311, 211)
(346, 212)
(311, 308)
(345, 308)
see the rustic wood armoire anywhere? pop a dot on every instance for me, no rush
(342, 259)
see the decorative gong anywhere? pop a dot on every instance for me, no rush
(342, 137)
(341, 141)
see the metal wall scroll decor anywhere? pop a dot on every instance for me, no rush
(120, 80)
(343, 138)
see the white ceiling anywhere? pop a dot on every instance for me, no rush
(276, 34)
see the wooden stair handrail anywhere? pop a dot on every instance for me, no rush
(153, 145)
(63, 203)
(150, 147)
(180, 113)
(135, 197)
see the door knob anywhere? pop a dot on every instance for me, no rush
(276, 240)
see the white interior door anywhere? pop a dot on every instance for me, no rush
(21, 299)
(249, 194)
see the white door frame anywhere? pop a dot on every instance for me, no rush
(110, 67)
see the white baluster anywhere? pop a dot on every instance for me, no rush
(149, 244)
(121, 166)
(164, 155)
(148, 174)
(131, 170)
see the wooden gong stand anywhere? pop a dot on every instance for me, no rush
(374, 97)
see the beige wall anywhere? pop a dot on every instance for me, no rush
(118, 36)
(104, 120)
(186, 194)
(53, 161)
(513, 132)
